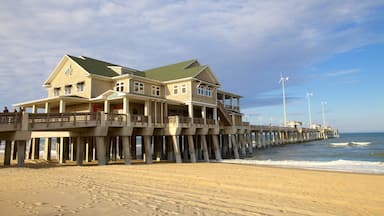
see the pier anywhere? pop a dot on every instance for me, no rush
(100, 111)
(103, 137)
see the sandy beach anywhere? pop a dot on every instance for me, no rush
(187, 189)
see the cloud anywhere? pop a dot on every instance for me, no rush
(246, 43)
(343, 72)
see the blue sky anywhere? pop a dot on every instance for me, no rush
(334, 49)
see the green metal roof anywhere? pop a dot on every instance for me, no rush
(176, 71)
(95, 66)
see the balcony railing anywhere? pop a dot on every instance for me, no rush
(117, 118)
(35, 118)
(211, 121)
(198, 120)
(10, 118)
(139, 118)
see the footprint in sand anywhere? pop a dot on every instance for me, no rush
(39, 203)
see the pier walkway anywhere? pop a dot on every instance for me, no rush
(91, 136)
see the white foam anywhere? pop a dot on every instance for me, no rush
(339, 144)
(360, 143)
(337, 165)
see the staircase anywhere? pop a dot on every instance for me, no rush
(224, 115)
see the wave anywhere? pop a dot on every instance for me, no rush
(343, 144)
(336, 165)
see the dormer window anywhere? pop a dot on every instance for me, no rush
(80, 86)
(156, 90)
(56, 91)
(68, 90)
(120, 86)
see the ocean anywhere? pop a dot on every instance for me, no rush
(352, 152)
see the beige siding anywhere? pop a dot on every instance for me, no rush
(147, 87)
(77, 108)
(183, 97)
(76, 76)
(100, 86)
(207, 76)
(203, 98)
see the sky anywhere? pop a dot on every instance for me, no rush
(333, 49)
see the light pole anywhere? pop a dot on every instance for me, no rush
(309, 95)
(282, 81)
(323, 103)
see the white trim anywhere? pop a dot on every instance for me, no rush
(178, 80)
(156, 88)
(175, 87)
(181, 88)
(201, 103)
(139, 83)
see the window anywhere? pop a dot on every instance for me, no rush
(200, 90)
(119, 86)
(208, 92)
(183, 88)
(156, 90)
(56, 91)
(138, 87)
(175, 89)
(68, 90)
(80, 86)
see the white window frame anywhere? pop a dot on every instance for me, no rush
(68, 90)
(200, 90)
(80, 86)
(138, 87)
(184, 88)
(68, 70)
(156, 90)
(208, 92)
(175, 89)
(119, 86)
(56, 91)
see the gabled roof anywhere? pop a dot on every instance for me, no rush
(180, 70)
(94, 66)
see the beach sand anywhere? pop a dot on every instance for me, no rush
(187, 189)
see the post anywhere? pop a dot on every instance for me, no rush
(191, 147)
(20, 153)
(101, 153)
(216, 147)
(148, 149)
(234, 146)
(127, 149)
(176, 148)
(205, 148)
(79, 151)
(47, 148)
(7, 153)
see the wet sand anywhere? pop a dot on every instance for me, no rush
(186, 189)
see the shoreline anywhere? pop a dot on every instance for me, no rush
(188, 189)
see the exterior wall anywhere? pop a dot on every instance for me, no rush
(62, 79)
(206, 75)
(77, 108)
(180, 96)
(147, 87)
(100, 86)
(203, 98)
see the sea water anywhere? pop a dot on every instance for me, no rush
(352, 152)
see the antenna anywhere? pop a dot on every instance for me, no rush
(323, 103)
(308, 96)
(282, 81)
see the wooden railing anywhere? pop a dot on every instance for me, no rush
(139, 118)
(10, 118)
(117, 118)
(211, 121)
(35, 118)
(198, 120)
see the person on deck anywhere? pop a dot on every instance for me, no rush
(5, 109)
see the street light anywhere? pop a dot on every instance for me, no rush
(308, 96)
(323, 103)
(282, 81)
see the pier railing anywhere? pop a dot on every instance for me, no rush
(52, 120)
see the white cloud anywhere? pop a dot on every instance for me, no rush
(247, 42)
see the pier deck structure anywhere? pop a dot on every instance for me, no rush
(97, 110)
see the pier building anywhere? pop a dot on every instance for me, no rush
(100, 111)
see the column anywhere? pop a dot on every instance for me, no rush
(62, 155)
(190, 110)
(234, 146)
(250, 143)
(79, 151)
(158, 147)
(47, 107)
(205, 148)
(101, 153)
(176, 148)
(242, 145)
(20, 152)
(7, 153)
(127, 149)
(47, 148)
(191, 147)
(216, 147)
(215, 114)
(203, 114)
(148, 149)
(125, 105)
(62, 106)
